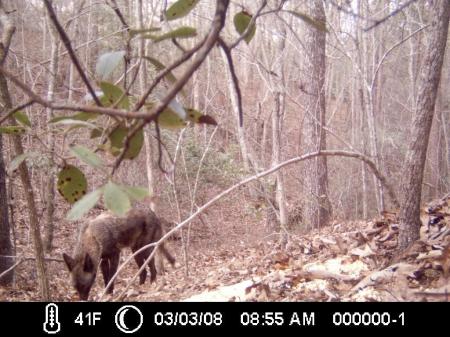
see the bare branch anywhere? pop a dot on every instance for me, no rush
(85, 108)
(250, 25)
(164, 73)
(11, 268)
(126, 27)
(14, 110)
(394, 13)
(65, 39)
(234, 78)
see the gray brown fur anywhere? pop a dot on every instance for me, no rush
(101, 241)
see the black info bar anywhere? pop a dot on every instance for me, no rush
(139, 319)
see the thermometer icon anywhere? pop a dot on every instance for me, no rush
(51, 324)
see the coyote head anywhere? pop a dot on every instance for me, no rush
(83, 272)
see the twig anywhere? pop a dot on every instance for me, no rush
(234, 78)
(66, 41)
(14, 110)
(250, 25)
(11, 268)
(20, 261)
(164, 73)
(178, 45)
(348, 11)
(85, 108)
(119, 14)
(126, 27)
(160, 153)
(31, 258)
(390, 50)
(394, 13)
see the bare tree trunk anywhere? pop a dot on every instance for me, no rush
(5, 98)
(280, 193)
(147, 137)
(5, 237)
(50, 183)
(413, 170)
(368, 67)
(277, 115)
(317, 210)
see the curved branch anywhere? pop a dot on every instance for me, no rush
(234, 78)
(336, 153)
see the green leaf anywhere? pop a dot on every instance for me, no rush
(95, 133)
(173, 117)
(22, 118)
(197, 117)
(82, 206)
(112, 94)
(170, 120)
(15, 163)
(160, 67)
(179, 33)
(71, 183)
(180, 8)
(320, 25)
(108, 62)
(12, 130)
(136, 193)
(117, 139)
(81, 116)
(87, 156)
(241, 21)
(136, 144)
(133, 32)
(116, 200)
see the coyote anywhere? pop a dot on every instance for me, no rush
(100, 242)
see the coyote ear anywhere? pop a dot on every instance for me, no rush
(88, 264)
(69, 261)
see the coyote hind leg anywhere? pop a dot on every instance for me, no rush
(140, 259)
(104, 266)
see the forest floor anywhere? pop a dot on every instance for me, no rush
(242, 261)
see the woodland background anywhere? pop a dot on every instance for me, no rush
(346, 77)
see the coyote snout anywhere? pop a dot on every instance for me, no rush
(101, 241)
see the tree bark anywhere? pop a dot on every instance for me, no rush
(318, 209)
(5, 237)
(277, 117)
(368, 68)
(5, 98)
(413, 170)
(50, 183)
(147, 137)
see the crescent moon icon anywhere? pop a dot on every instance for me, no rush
(120, 319)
